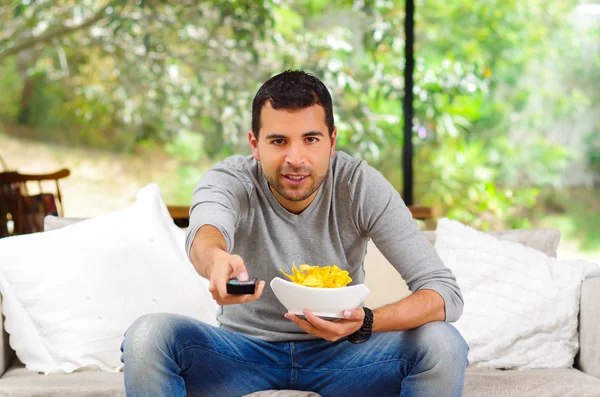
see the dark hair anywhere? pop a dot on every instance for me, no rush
(292, 90)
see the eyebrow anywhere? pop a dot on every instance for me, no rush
(305, 135)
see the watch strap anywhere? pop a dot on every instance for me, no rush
(364, 333)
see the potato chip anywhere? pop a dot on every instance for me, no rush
(319, 277)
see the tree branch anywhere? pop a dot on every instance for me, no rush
(49, 36)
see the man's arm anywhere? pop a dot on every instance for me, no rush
(217, 202)
(210, 258)
(422, 307)
(382, 216)
(207, 243)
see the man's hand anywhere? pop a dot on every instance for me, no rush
(330, 330)
(224, 268)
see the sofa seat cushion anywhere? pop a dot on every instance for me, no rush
(20, 382)
(481, 382)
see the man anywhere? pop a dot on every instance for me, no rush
(298, 200)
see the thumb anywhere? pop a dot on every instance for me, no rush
(238, 268)
(354, 314)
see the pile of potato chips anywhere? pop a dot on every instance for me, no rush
(319, 277)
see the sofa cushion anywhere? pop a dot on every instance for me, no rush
(19, 382)
(52, 222)
(479, 382)
(69, 300)
(387, 285)
(588, 359)
(544, 240)
(520, 305)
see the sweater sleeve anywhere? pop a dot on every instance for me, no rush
(219, 199)
(381, 215)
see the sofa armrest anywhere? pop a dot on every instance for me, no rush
(588, 359)
(7, 354)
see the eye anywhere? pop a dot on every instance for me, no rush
(278, 142)
(312, 139)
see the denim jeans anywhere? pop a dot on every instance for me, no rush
(174, 355)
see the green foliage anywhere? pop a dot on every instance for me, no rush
(10, 87)
(168, 74)
(187, 147)
(487, 186)
(592, 143)
(177, 189)
(146, 71)
(537, 163)
(576, 212)
(47, 99)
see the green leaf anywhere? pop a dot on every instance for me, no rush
(18, 10)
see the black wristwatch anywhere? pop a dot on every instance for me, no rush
(364, 333)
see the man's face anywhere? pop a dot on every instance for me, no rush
(294, 149)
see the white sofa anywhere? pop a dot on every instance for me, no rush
(386, 286)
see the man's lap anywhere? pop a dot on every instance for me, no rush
(216, 359)
(376, 367)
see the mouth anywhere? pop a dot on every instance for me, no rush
(295, 178)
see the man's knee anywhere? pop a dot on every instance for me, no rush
(441, 344)
(147, 337)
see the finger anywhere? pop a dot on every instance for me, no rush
(334, 330)
(234, 299)
(220, 280)
(238, 268)
(317, 321)
(305, 325)
(219, 276)
(214, 291)
(260, 286)
(357, 314)
(221, 283)
(217, 299)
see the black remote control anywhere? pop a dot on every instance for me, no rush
(237, 287)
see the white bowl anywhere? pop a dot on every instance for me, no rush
(323, 302)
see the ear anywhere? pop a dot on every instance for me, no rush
(253, 144)
(333, 140)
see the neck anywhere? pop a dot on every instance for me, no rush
(295, 207)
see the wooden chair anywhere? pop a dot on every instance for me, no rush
(26, 211)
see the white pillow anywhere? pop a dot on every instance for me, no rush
(521, 306)
(70, 294)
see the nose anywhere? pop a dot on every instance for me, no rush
(295, 155)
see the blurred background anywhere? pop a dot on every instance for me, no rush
(506, 127)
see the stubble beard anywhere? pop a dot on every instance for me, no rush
(292, 194)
